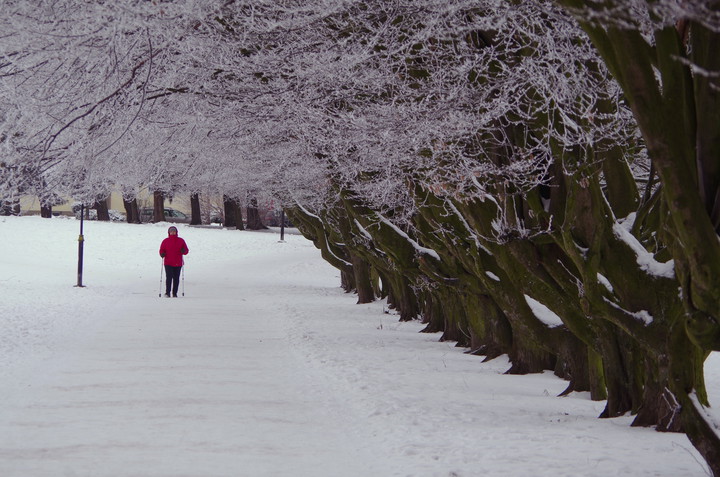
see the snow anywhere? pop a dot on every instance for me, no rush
(642, 315)
(605, 282)
(265, 368)
(362, 230)
(419, 248)
(645, 259)
(543, 313)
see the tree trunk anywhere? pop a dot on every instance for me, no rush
(229, 216)
(132, 214)
(196, 218)
(254, 222)
(347, 280)
(701, 431)
(233, 213)
(527, 357)
(491, 333)
(403, 298)
(103, 213)
(454, 314)
(46, 211)
(363, 282)
(432, 313)
(596, 375)
(158, 206)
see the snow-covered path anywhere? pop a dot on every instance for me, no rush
(203, 385)
(264, 368)
(164, 391)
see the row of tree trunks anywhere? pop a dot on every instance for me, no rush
(668, 77)
(100, 206)
(234, 217)
(476, 289)
(232, 211)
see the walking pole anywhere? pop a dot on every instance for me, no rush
(161, 274)
(183, 277)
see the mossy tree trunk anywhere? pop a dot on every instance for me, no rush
(363, 279)
(674, 109)
(677, 110)
(534, 346)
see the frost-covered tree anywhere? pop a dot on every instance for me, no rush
(663, 54)
(477, 163)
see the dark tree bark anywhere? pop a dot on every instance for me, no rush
(347, 281)
(103, 213)
(158, 206)
(196, 218)
(46, 211)
(229, 216)
(363, 282)
(432, 315)
(254, 222)
(232, 213)
(676, 107)
(132, 213)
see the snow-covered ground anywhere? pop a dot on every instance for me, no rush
(265, 368)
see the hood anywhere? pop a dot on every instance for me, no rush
(171, 229)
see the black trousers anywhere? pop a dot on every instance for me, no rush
(172, 279)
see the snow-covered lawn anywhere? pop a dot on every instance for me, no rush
(265, 368)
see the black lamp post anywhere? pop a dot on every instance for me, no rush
(81, 242)
(282, 225)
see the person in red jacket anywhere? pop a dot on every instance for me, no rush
(172, 250)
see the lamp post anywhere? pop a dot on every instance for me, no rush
(282, 225)
(81, 242)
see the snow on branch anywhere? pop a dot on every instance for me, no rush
(543, 313)
(285, 95)
(419, 248)
(645, 259)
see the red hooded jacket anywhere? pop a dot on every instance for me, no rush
(173, 248)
